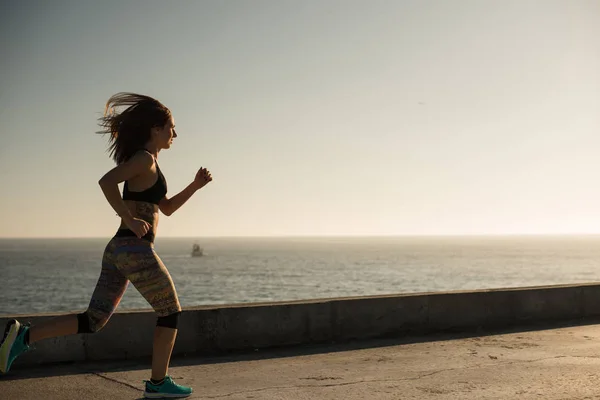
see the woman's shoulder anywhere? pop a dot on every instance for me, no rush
(142, 158)
(144, 155)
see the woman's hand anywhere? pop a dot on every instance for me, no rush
(202, 178)
(137, 226)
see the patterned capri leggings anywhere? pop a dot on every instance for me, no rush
(131, 259)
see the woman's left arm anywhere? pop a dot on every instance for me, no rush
(169, 205)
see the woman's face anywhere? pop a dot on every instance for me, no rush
(164, 136)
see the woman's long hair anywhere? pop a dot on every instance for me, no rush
(130, 129)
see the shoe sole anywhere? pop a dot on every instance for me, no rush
(152, 395)
(13, 332)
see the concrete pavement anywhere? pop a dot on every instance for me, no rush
(550, 363)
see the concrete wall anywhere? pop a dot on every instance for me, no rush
(259, 325)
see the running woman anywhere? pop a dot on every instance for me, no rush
(136, 136)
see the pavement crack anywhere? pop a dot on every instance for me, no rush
(412, 378)
(116, 381)
(531, 361)
(283, 387)
(324, 385)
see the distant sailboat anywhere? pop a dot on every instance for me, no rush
(197, 251)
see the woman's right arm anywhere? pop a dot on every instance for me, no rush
(136, 165)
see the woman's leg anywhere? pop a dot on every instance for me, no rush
(106, 297)
(164, 340)
(59, 326)
(151, 278)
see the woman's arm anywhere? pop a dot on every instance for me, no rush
(109, 183)
(169, 206)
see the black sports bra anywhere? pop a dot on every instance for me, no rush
(153, 194)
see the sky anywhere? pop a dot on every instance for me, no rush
(315, 117)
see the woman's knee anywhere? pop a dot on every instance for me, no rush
(86, 324)
(169, 321)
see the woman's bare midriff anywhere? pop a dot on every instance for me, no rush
(142, 210)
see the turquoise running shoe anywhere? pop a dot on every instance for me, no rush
(167, 389)
(13, 344)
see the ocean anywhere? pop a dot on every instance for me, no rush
(59, 275)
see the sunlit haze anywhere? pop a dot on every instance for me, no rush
(335, 117)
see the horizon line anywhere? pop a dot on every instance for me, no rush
(407, 235)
